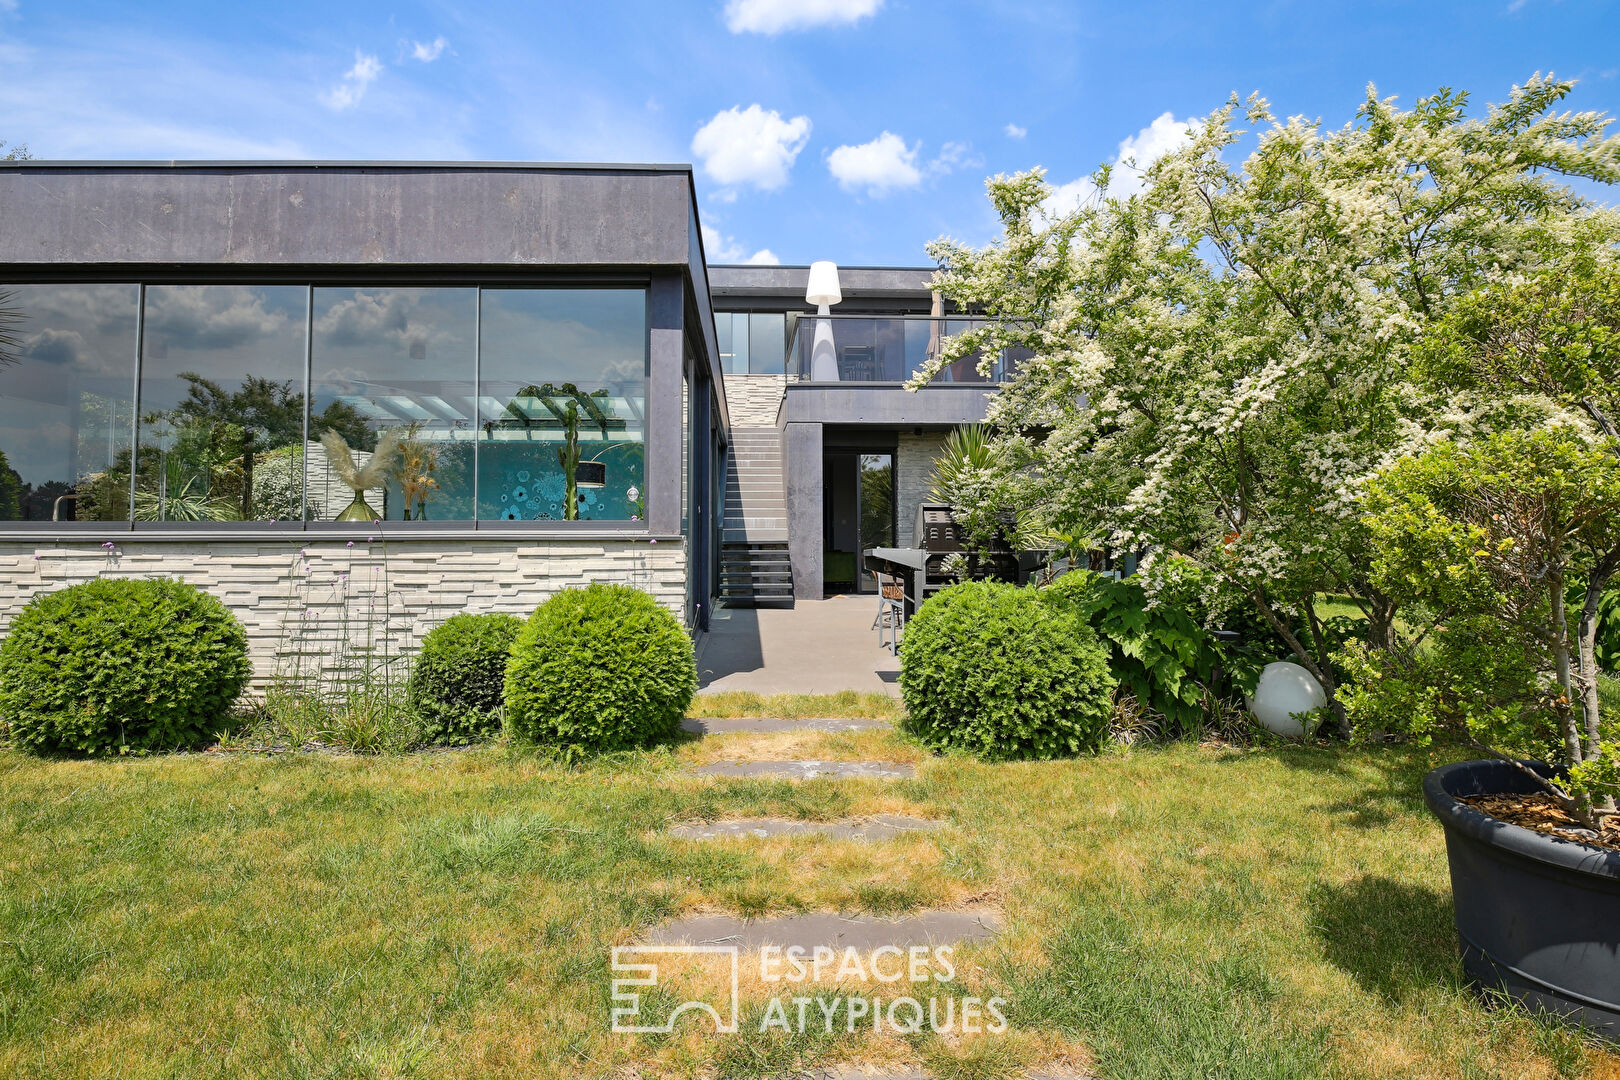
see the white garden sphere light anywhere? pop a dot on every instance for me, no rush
(1284, 694)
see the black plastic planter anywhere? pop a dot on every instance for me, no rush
(1538, 917)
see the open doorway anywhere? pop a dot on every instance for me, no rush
(858, 513)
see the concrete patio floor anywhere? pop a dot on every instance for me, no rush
(814, 647)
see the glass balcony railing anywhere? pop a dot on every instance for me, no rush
(884, 349)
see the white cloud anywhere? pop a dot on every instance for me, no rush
(718, 248)
(775, 16)
(347, 94)
(879, 166)
(955, 155)
(751, 146)
(1130, 165)
(1013, 131)
(8, 6)
(431, 51)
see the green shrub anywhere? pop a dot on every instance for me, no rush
(989, 668)
(601, 668)
(1157, 651)
(125, 665)
(1608, 623)
(459, 682)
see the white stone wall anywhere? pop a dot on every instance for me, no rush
(754, 400)
(914, 475)
(300, 599)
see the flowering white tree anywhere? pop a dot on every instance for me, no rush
(1221, 360)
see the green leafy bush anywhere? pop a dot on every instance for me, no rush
(1157, 651)
(1484, 537)
(121, 665)
(990, 668)
(601, 668)
(459, 682)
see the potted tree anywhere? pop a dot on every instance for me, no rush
(1510, 542)
(1489, 535)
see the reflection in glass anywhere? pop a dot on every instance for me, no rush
(222, 403)
(877, 500)
(884, 349)
(394, 373)
(564, 382)
(767, 343)
(66, 404)
(732, 330)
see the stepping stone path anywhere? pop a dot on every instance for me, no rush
(811, 770)
(877, 827)
(773, 725)
(862, 932)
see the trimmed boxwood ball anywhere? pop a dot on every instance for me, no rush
(988, 668)
(126, 666)
(600, 668)
(458, 682)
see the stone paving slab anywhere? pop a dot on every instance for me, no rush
(811, 770)
(877, 827)
(772, 725)
(862, 932)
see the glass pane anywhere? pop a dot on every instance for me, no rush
(222, 403)
(922, 342)
(564, 382)
(877, 501)
(733, 347)
(393, 370)
(66, 406)
(767, 344)
(965, 369)
(737, 327)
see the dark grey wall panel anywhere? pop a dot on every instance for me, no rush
(801, 461)
(308, 215)
(824, 403)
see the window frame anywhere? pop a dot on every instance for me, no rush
(344, 277)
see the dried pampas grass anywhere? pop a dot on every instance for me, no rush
(361, 477)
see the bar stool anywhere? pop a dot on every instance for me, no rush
(891, 612)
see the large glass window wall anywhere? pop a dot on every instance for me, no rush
(199, 403)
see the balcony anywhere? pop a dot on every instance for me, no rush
(884, 349)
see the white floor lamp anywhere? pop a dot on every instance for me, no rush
(823, 291)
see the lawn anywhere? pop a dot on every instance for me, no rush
(1171, 912)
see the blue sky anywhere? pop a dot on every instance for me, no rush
(855, 130)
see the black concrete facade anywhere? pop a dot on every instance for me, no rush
(816, 416)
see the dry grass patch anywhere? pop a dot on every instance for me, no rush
(870, 745)
(848, 705)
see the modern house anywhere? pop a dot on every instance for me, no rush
(486, 382)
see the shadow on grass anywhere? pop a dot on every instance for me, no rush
(1392, 937)
(1155, 1013)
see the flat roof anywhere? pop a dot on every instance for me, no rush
(269, 165)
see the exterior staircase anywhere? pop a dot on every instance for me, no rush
(754, 567)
